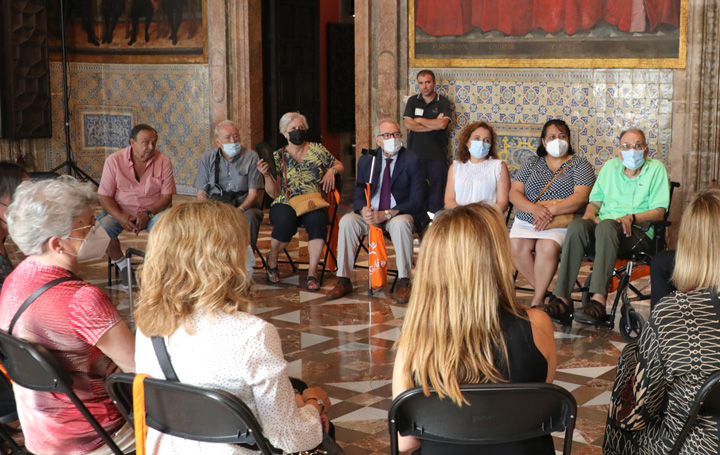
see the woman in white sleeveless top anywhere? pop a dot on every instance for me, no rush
(477, 175)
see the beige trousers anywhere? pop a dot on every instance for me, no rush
(352, 227)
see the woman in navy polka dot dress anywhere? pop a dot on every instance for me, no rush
(536, 249)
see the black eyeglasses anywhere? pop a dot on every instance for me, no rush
(397, 135)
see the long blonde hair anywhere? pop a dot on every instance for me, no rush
(195, 262)
(697, 262)
(463, 279)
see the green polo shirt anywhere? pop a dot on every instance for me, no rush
(621, 195)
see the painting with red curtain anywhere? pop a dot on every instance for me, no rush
(552, 30)
(519, 17)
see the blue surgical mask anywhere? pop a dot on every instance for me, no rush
(232, 149)
(633, 159)
(479, 149)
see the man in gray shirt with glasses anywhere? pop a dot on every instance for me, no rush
(229, 174)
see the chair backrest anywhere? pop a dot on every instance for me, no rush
(191, 412)
(498, 413)
(707, 402)
(32, 366)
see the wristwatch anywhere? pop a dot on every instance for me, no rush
(150, 214)
(242, 210)
(387, 215)
(320, 403)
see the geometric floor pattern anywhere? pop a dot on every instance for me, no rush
(345, 346)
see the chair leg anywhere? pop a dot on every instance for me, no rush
(11, 442)
(262, 258)
(395, 280)
(110, 265)
(290, 260)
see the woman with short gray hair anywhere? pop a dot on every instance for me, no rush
(305, 169)
(52, 222)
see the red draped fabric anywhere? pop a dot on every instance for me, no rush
(518, 17)
(569, 15)
(630, 15)
(665, 11)
(512, 17)
(444, 17)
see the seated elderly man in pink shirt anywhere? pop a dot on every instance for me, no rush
(137, 184)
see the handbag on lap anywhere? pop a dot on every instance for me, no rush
(558, 221)
(305, 202)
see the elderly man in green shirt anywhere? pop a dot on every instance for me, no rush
(630, 190)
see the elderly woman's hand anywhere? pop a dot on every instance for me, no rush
(264, 168)
(328, 181)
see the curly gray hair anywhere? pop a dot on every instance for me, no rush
(46, 208)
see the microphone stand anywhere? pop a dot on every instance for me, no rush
(69, 164)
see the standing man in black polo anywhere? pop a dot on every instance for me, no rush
(426, 117)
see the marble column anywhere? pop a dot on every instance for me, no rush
(244, 69)
(217, 60)
(695, 154)
(380, 65)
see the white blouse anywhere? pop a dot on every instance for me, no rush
(240, 354)
(476, 182)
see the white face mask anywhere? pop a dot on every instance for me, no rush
(557, 148)
(232, 149)
(93, 245)
(391, 146)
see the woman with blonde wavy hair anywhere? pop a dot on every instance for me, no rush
(464, 324)
(658, 378)
(194, 294)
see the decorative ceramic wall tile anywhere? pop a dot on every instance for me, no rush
(597, 104)
(174, 99)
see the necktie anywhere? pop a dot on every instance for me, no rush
(385, 187)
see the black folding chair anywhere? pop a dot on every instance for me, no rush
(191, 412)
(497, 414)
(30, 365)
(8, 414)
(707, 403)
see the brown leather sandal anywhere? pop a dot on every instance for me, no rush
(592, 313)
(559, 311)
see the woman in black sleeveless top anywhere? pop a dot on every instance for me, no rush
(464, 324)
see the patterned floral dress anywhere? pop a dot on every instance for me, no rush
(657, 379)
(302, 177)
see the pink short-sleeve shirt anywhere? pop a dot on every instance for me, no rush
(132, 196)
(68, 320)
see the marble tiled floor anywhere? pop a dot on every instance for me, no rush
(345, 346)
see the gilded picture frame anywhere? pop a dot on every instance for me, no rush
(475, 33)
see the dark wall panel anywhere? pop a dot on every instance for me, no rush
(25, 110)
(341, 77)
